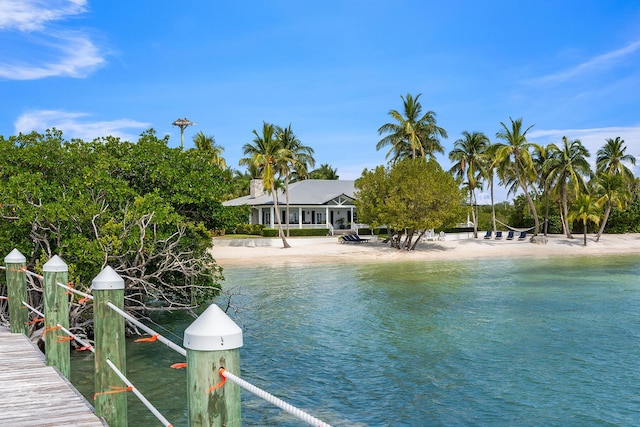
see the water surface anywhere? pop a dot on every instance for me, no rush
(500, 342)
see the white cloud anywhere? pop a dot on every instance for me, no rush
(34, 48)
(79, 125)
(69, 54)
(595, 64)
(30, 15)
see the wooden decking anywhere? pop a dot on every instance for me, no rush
(35, 395)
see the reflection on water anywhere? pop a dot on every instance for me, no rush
(506, 342)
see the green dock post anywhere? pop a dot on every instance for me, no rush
(213, 341)
(56, 312)
(15, 264)
(109, 338)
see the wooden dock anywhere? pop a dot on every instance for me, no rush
(35, 395)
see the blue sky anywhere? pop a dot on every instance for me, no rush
(331, 69)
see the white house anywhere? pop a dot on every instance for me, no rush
(313, 203)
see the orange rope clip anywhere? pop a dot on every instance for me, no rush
(150, 339)
(34, 321)
(220, 384)
(114, 390)
(83, 300)
(86, 347)
(63, 339)
(179, 365)
(53, 328)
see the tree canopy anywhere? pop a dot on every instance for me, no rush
(143, 208)
(411, 194)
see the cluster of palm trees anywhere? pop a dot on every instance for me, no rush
(553, 173)
(277, 152)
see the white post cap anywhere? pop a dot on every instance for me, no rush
(213, 330)
(108, 279)
(54, 265)
(15, 257)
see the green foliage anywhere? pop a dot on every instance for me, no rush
(398, 197)
(625, 220)
(143, 208)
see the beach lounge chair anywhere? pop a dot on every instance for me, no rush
(441, 236)
(347, 238)
(498, 235)
(510, 235)
(359, 239)
(523, 235)
(488, 235)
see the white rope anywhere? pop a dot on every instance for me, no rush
(63, 329)
(148, 330)
(521, 230)
(140, 396)
(299, 413)
(75, 291)
(31, 273)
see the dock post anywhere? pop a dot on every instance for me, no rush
(15, 263)
(212, 342)
(56, 312)
(109, 338)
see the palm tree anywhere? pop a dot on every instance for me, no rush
(514, 158)
(541, 156)
(468, 155)
(325, 171)
(208, 144)
(299, 158)
(612, 190)
(413, 134)
(267, 154)
(585, 209)
(567, 166)
(612, 156)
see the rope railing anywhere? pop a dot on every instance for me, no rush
(154, 335)
(140, 396)
(85, 345)
(296, 412)
(70, 288)
(211, 339)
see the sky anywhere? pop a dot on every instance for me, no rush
(332, 70)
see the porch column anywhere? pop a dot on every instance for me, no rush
(299, 217)
(260, 215)
(273, 216)
(326, 215)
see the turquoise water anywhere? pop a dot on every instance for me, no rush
(480, 343)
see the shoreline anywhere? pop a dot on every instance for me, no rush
(327, 250)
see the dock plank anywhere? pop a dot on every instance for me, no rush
(33, 394)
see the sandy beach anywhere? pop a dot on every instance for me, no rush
(262, 251)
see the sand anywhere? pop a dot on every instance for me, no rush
(234, 252)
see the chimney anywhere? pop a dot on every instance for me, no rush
(256, 188)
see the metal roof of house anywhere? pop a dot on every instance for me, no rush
(306, 192)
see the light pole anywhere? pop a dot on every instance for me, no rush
(182, 124)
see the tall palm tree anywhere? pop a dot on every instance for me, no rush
(414, 134)
(468, 155)
(612, 191)
(611, 158)
(585, 209)
(513, 155)
(267, 153)
(568, 166)
(541, 156)
(299, 158)
(207, 143)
